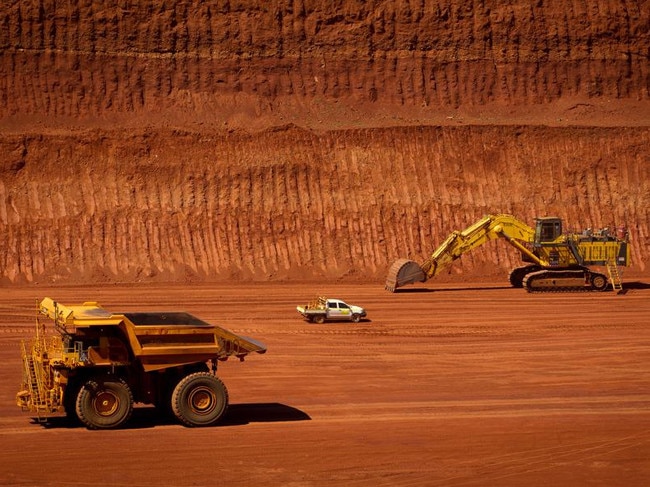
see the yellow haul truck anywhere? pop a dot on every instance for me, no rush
(94, 365)
(557, 261)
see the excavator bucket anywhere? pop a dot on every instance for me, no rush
(403, 272)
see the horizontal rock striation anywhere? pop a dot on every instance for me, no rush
(90, 59)
(207, 140)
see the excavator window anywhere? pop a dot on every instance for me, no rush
(548, 230)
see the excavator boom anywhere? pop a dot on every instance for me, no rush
(490, 227)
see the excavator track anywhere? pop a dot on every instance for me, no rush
(567, 280)
(518, 274)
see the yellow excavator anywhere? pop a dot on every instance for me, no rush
(555, 261)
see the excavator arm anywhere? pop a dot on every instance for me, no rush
(490, 227)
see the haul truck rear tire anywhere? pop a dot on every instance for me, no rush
(199, 399)
(104, 403)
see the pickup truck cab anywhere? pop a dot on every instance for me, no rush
(327, 309)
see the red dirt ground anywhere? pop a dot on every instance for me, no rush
(443, 385)
(235, 159)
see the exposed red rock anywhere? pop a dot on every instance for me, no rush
(307, 145)
(218, 140)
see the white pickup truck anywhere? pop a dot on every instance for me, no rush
(322, 309)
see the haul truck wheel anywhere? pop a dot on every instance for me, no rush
(200, 399)
(104, 403)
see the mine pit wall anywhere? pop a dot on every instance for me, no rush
(84, 58)
(296, 204)
(152, 141)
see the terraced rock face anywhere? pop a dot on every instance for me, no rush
(213, 140)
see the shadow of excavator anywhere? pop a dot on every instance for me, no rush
(636, 285)
(627, 286)
(415, 290)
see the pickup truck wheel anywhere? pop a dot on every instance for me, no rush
(199, 399)
(319, 319)
(356, 318)
(104, 403)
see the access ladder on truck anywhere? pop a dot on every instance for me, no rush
(36, 383)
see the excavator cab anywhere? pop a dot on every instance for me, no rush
(547, 229)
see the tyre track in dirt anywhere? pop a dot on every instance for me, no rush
(457, 386)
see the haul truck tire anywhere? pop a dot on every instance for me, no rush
(199, 399)
(104, 403)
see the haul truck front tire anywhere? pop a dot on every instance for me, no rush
(104, 403)
(199, 399)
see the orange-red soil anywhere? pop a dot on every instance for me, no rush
(234, 159)
(446, 385)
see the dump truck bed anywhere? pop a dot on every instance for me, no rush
(157, 339)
